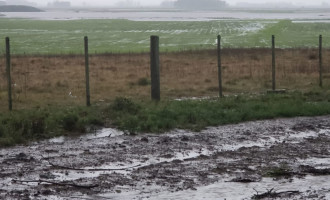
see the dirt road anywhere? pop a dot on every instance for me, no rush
(283, 158)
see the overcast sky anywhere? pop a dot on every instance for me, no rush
(157, 2)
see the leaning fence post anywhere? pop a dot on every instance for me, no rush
(8, 63)
(273, 64)
(154, 68)
(320, 60)
(219, 66)
(88, 101)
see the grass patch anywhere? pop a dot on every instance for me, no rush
(143, 82)
(196, 115)
(281, 171)
(66, 36)
(136, 116)
(34, 124)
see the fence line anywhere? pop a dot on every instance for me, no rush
(8, 66)
(273, 64)
(320, 60)
(219, 66)
(88, 95)
(155, 68)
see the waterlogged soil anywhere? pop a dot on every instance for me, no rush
(272, 159)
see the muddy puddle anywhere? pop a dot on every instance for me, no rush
(271, 159)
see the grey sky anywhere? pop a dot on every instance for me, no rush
(157, 2)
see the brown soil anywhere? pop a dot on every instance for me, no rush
(41, 80)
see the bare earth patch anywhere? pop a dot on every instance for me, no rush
(283, 158)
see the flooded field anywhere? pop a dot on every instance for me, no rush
(278, 159)
(175, 15)
(118, 31)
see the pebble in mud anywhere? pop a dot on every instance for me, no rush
(145, 139)
(164, 140)
(184, 138)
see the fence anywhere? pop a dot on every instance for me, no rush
(219, 63)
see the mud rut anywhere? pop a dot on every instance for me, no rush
(283, 158)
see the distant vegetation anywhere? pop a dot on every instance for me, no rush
(19, 8)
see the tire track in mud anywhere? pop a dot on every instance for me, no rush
(175, 164)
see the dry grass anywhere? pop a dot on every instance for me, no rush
(42, 80)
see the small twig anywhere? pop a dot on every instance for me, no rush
(256, 191)
(270, 191)
(272, 194)
(56, 183)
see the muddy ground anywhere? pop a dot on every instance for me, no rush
(272, 159)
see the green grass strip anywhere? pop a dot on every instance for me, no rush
(145, 116)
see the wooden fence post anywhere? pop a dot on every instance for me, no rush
(320, 60)
(88, 97)
(154, 68)
(273, 64)
(219, 67)
(8, 64)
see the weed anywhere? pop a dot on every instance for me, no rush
(35, 124)
(312, 57)
(139, 116)
(70, 122)
(124, 105)
(282, 171)
(143, 82)
(198, 114)
(61, 84)
(213, 89)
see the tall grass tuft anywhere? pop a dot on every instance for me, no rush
(34, 124)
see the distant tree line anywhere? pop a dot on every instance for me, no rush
(18, 8)
(200, 4)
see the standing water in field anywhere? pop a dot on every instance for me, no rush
(172, 16)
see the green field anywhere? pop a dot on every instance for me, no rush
(56, 37)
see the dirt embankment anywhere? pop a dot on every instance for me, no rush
(284, 158)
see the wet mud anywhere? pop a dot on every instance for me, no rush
(271, 159)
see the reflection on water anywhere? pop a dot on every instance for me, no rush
(105, 132)
(171, 15)
(233, 190)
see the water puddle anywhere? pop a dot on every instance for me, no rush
(232, 190)
(126, 168)
(122, 168)
(312, 21)
(179, 164)
(60, 140)
(106, 132)
(70, 175)
(154, 15)
(318, 163)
